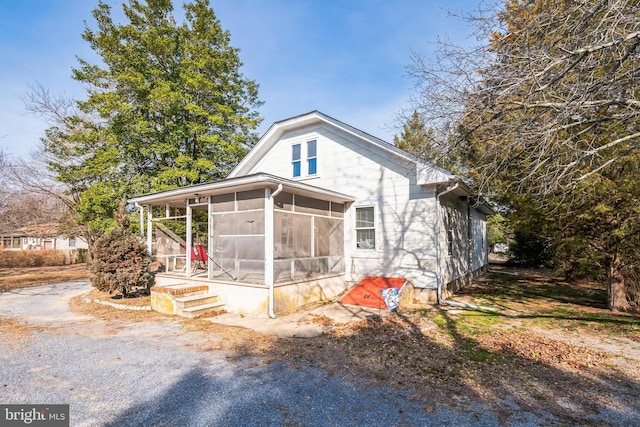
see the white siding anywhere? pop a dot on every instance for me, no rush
(405, 216)
(480, 252)
(405, 212)
(63, 243)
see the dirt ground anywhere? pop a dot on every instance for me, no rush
(541, 344)
(526, 340)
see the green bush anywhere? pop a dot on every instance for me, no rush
(120, 263)
(81, 256)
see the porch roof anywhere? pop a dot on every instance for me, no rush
(178, 196)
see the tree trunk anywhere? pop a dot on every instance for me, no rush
(616, 292)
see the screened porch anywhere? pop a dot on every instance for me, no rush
(258, 230)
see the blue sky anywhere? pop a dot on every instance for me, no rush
(346, 58)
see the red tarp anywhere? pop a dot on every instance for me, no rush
(367, 292)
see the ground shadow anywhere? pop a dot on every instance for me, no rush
(527, 285)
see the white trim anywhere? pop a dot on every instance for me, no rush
(275, 132)
(356, 251)
(240, 184)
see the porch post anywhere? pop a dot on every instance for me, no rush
(189, 242)
(149, 230)
(209, 237)
(141, 215)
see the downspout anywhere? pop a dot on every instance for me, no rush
(271, 281)
(438, 254)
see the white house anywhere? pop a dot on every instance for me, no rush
(40, 237)
(315, 206)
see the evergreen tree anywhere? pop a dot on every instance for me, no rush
(422, 142)
(167, 106)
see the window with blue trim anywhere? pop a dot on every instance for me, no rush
(312, 159)
(295, 159)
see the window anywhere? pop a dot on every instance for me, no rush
(449, 220)
(312, 157)
(295, 159)
(365, 228)
(72, 242)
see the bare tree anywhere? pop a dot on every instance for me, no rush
(544, 111)
(30, 194)
(4, 192)
(549, 99)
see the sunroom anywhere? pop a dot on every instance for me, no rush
(261, 243)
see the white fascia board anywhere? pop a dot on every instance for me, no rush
(239, 184)
(277, 129)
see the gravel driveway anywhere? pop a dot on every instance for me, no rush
(123, 374)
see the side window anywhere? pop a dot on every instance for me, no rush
(296, 159)
(72, 242)
(312, 158)
(365, 228)
(449, 220)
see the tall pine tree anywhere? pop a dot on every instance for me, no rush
(167, 106)
(422, 142)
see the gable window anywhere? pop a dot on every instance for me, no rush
(365, 228)
(296, 159)
(312, 159)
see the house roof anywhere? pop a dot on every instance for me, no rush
(428, 174)
(50, 229)
(431, 173)
(177, 197)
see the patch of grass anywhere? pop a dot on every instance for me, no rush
(474, 353)
(481, 355)
(478, 322)
(563, 311)
(439, 320)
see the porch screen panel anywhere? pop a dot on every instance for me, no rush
(248, 200)
(310, 205)
(284, 201)
(238, 236)
(223, 203)
(308, 242)
(329, 245)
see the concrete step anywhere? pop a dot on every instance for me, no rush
(181, 290)
(183, 302)
(201, 310)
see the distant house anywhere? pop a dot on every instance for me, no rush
(40, 237)
(315, 206)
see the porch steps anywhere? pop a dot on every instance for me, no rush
(204, 309)
(186, 300)
(195, 300)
